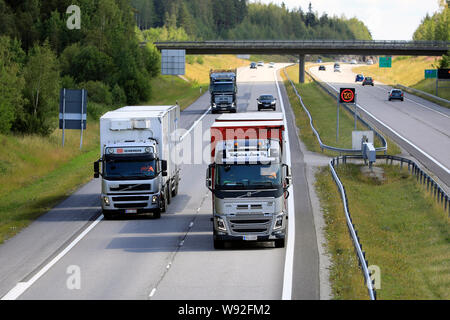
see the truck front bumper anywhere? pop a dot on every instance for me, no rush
(223, 107)
(124, 204)
(250, 227)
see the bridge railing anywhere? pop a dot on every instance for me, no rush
(312, 43)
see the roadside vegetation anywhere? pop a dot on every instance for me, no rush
(401, 228)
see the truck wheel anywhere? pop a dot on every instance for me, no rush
(279, 243)
(219, 244)
(233, 111)
(175, 190)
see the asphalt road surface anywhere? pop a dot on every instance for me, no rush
(419, 126)
(72, 253)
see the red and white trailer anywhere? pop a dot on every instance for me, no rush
(248, 178)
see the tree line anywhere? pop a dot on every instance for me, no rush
(239, 19)
(436, 27)
(39, 55)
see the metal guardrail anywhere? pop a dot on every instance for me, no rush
(324, 146)
(424, 93)
(422, 177)
(351, 228)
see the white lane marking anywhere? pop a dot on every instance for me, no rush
(415, 102)
(195, 124)
(152, 293)
(400, 136)
(21, 287)
(289, 260)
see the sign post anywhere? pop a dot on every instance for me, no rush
(442, 74)
(346, 95)
(72, 111)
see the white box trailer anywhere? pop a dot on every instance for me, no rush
(140, 171)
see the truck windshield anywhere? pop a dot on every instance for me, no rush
(223, 87)
(130, 169)
(252, 176)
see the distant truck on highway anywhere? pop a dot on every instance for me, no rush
(223, 90)
(139, 171)
(248, 177)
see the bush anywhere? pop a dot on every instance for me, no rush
(97, 92)
(190, 59)
(118, 95)
(200, 60)
(91, 64)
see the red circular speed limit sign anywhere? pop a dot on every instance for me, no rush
(347, 95)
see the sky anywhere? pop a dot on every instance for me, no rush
(386, 19)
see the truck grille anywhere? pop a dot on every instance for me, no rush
(132, 198)
(131, 187)
(129, 205)
(250, 224)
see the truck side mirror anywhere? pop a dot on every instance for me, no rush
(96, 169)
(288, 177)
(208, 177)
(164, 168)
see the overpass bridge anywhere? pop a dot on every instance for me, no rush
(303, 47)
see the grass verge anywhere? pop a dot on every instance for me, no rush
(401, 228)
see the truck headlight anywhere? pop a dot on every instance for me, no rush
(278, 222)
(154, 199)
(221, 224)
(214, 105)
(106, 201)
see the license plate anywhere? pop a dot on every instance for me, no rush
(131, 211)
(250, 238)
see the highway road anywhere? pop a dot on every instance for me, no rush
(421, 127)
(72, 253)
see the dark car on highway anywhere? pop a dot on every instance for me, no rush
(266, 101)
(359, 78)
(368, 81)
(322, 67)
(395, 94)
(253, 65)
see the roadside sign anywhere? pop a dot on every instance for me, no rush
(430, 73)
(72, 111)
(443, 74)
(173, 62)
(385, 62)
(347, 95)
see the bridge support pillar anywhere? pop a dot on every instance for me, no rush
(301, 68)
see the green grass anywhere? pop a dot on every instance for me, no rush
(167, 90)
(345, 275)
(401, 228)
(323, 109)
